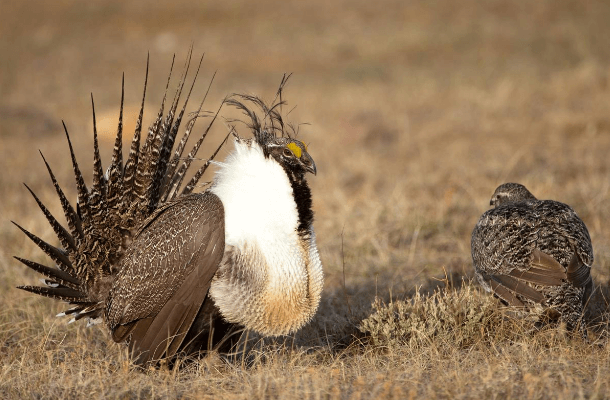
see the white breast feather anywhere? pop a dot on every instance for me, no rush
(258, 202)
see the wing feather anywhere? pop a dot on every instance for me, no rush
(166, 275)
(519, 287)
(505, 294)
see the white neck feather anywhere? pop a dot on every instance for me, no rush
(256, 195)
(259, 206)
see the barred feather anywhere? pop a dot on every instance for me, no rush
(56, 254)
(108, 214)
(178, 176)
(134, 152)
(163, 140)
(193, 182)
(115, 171)
(56, 274)
(59, 293)
(171, 173)
(74, 222)
(64, 237)
(166, 169)
(98, 190)
(82, 191)
(147, 164)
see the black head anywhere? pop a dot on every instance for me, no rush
(290, 153)
(510, 193)
(273, 134)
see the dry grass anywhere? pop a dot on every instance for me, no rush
(417, 111)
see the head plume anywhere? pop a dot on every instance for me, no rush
(265, 121)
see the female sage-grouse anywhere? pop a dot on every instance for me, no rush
(173, 272)
(528, 251)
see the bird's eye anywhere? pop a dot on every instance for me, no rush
(287, 153)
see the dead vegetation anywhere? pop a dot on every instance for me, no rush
(416, 111)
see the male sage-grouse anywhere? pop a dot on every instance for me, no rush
(171, 271)
(529, 251)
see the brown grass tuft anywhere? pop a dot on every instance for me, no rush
(457, 318)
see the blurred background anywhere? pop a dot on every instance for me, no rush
(415, 112)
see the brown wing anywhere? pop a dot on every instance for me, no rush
(504, 293)
(165, 276)
(542, 270)
(501, 283)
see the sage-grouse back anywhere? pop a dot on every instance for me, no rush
(529, 251)
(171, 271)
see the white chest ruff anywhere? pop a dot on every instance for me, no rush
(270, 279)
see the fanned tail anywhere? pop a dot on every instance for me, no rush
(110, 212)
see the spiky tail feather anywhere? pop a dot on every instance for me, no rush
(111, 211)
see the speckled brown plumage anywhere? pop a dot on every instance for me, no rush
(185, 255)
(530, 251)
(141, 251)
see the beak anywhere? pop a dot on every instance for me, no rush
(307, 161)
